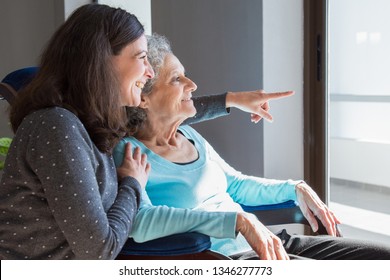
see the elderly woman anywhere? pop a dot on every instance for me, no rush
(191, 188)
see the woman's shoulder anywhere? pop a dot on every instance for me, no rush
(129, 139)
(53, 118)
(53, 114)
(191, 133)
(120, 147)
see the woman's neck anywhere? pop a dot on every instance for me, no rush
(159, 133)
(163, 139)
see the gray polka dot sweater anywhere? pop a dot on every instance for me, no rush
(59, 195)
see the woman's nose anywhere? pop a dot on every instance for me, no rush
(192, 85)
(149, 70)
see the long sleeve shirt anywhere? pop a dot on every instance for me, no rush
(202, 196)
(209, 107)
(59, 195)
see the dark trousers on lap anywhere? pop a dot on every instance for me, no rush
(324, 247)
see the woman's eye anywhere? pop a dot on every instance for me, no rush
(179, 78)
(176, 79)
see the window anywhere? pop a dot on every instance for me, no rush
(347, 96)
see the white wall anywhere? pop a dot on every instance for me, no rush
(283, 70)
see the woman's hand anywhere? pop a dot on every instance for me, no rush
(254, 102)
(134, 165)
(312, 207)
(266, 245)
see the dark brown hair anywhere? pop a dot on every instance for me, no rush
(76, 73)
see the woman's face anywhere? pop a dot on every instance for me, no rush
(172, 92)
(133, 70)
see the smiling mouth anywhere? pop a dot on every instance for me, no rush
(187, 98)
(139, 84)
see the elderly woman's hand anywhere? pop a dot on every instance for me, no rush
(254, 102)
(266, 245)
(312, 206)
(134, 165)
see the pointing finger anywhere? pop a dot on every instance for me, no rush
(278, 95)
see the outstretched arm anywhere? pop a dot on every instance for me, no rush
(254, 102)
(209, 107)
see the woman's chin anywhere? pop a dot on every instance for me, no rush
(134, 100)
(189, 114)
(193, 112)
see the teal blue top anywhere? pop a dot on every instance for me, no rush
(202, 196)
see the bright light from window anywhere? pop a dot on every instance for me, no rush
(372, 37)
(375, 37)
(361, 37)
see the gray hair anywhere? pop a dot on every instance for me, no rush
(158, 48)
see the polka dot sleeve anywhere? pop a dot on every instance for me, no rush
(209, 107)
(80, 186)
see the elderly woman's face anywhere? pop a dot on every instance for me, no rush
(133, 70)
(172, 92)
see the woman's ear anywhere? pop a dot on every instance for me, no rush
(144, 101)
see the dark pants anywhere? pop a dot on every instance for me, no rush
(324, 247)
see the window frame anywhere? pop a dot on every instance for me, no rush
(316, 163)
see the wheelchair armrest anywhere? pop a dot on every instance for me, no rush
(190, 245)
(282, 213)
(183, 243)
